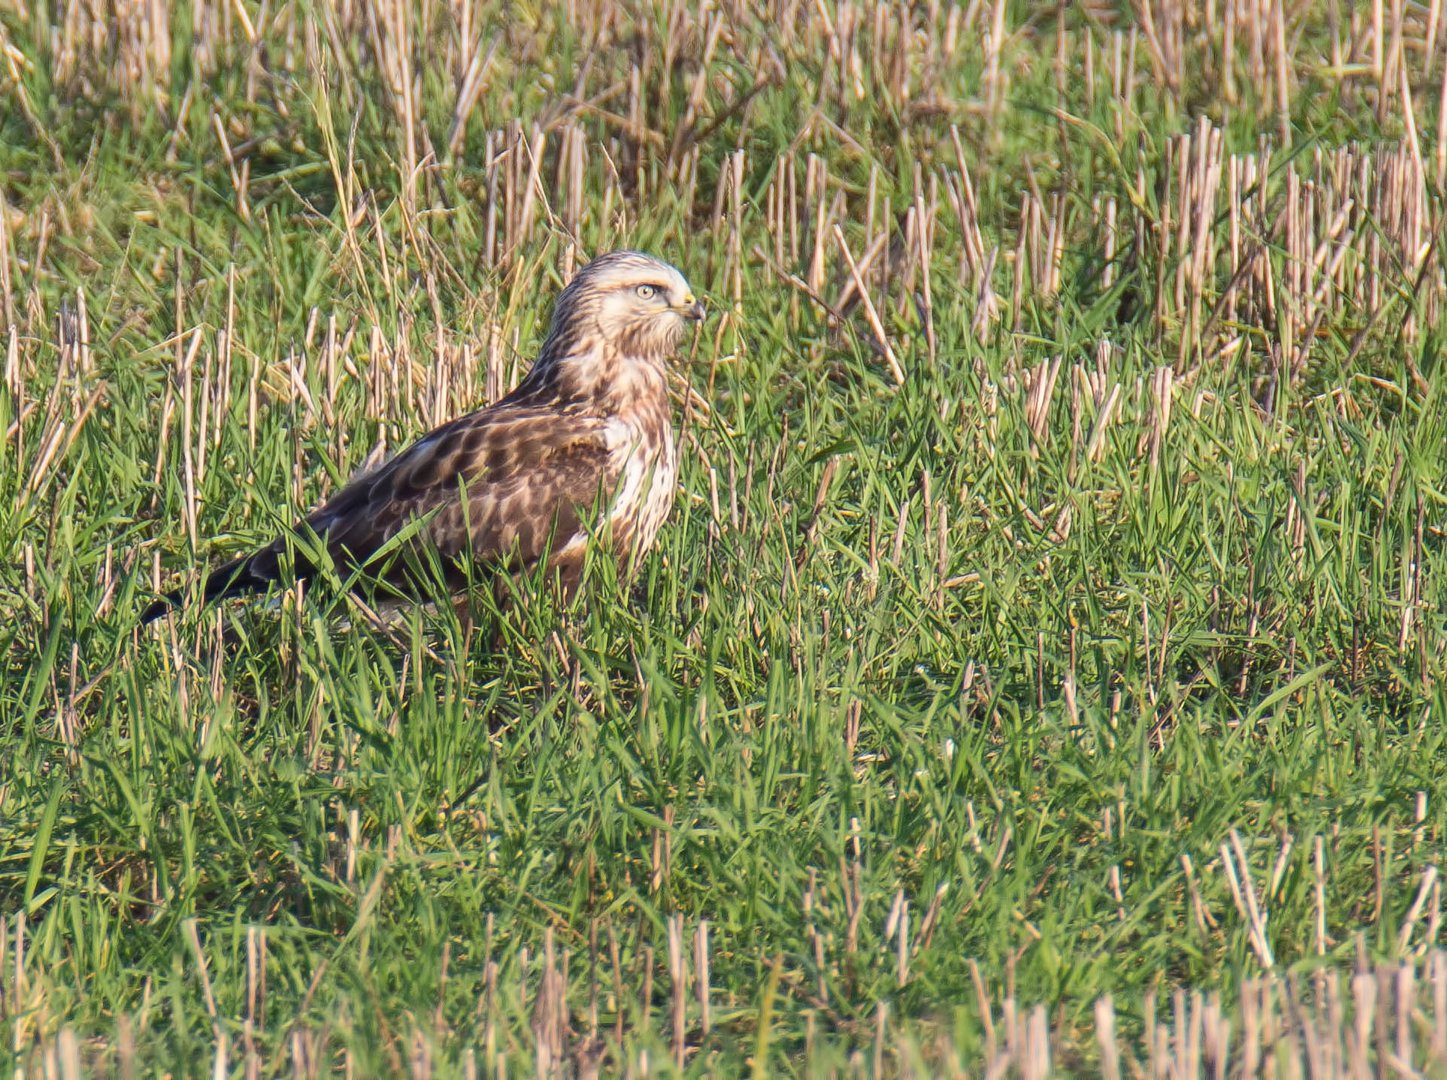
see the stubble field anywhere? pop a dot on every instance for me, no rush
(1042, 666)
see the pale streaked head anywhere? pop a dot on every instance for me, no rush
(637, 304)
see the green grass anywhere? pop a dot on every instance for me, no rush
(1045, 712)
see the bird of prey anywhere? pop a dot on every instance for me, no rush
(586, 440)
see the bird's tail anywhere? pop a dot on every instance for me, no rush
(248, 574)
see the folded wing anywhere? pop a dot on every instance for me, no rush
(506, 485)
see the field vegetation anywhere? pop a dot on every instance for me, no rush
(1043, 667)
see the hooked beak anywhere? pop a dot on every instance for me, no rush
(694, 312)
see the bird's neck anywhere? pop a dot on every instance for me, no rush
(602, 381)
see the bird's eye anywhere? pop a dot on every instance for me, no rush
(645, 292)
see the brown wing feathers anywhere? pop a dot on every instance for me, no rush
(527, 476)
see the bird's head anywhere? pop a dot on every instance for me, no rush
(635, 304)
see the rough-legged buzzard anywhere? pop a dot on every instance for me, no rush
(585, 439)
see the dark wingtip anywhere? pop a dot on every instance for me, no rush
(160, 607)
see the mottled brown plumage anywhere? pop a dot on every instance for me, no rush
(585, 439)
